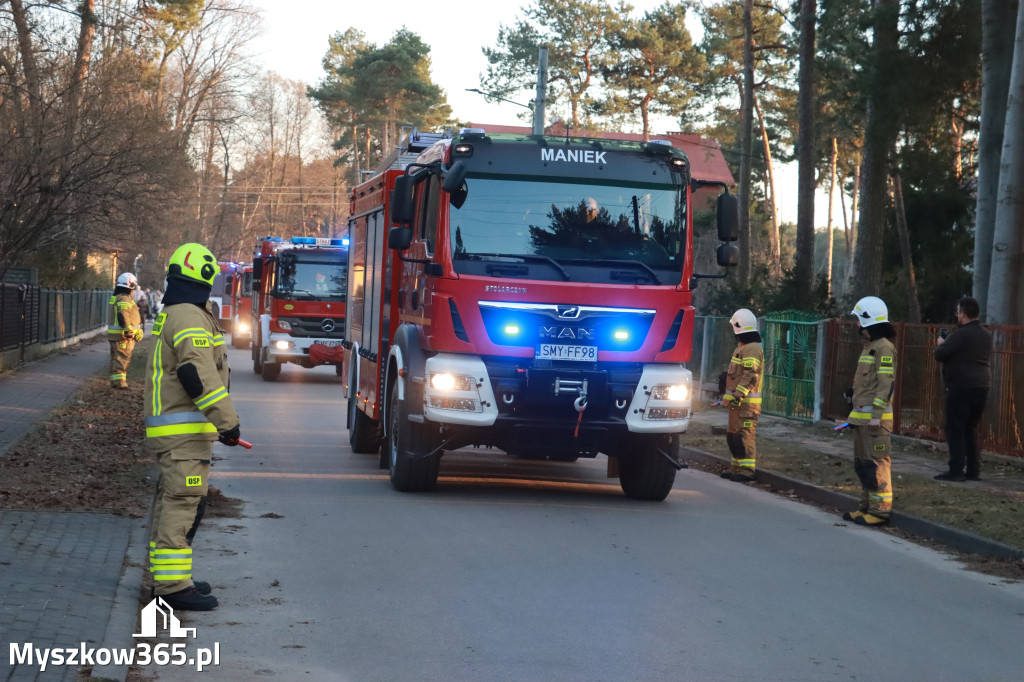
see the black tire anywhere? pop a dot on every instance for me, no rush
(362, 430)
(408, 474)
(237, 342)
(644, 473)
(271, 371)
(257, 359)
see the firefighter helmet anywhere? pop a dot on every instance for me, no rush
(127, 280)
(870, 310)
(193, 263)
(743, 321)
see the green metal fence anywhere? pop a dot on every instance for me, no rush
(790, 362)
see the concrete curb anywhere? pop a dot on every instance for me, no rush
(955, 538)
(125, 614)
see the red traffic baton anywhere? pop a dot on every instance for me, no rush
(245, 444)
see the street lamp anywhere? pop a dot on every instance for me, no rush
(135, 265)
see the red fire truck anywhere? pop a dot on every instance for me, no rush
(220, 295)
(298, 303)
(529, 293)
(241, 306)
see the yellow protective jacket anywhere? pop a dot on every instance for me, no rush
(187, 334)
(874, 384)
(745, 379)
(124, 314)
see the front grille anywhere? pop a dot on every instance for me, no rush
(313, 327)
(524, 324)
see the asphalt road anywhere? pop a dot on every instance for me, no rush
(517, 570)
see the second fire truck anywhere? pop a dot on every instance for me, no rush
(299, 290)
(530, 293)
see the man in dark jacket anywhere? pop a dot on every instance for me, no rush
(965, 356)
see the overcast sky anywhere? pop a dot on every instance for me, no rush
(296, 36)
(297, 31)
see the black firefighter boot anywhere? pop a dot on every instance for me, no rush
(190, 599)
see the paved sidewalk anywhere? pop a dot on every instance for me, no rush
(62, 574)
(30, 392)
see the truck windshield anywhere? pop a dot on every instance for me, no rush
(311, 276)
(592, 226)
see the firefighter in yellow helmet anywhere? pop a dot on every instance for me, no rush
(743, 383)
(871, 412)
(124, 328)
(187, 407)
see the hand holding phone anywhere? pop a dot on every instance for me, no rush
(943, 333)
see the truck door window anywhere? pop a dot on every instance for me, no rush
(429, 201)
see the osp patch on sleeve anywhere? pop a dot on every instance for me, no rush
(201, 342)
(159, 324)
(886, 359)
(193, 481)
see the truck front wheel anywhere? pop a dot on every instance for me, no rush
(271, 371)
(644, 473)
(408, 473)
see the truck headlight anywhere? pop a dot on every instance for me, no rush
(284, 325)
(282, 345)
(674, 393)
(445, 381)
(243, 328)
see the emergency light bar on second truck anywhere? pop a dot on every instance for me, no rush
(298, 305)
(530, 293)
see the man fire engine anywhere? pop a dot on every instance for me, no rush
(530, 293)
(298, 303)
(241, 307)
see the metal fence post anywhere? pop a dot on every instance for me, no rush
(819, 369)
(705, 344)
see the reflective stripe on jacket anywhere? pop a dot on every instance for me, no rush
(123, 314)
(874, 384)
(745, 379)
(187, 334)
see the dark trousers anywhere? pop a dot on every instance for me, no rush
(964, 407)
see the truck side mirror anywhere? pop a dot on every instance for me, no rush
(728, 216)
(399, 238)
(454, 178)
(728, 255)
(401, 200)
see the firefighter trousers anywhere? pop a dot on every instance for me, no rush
(871, 461)
(120, 357)
(741, 436)
(180, 500)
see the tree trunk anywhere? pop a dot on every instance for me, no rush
(854, 225)
(881, 130)
(913, 304)
(28, 60)
(1005, 297)
(804, 266)
(746, 134)
(773, 206)
(828, 228)
(996, 59)
(79, 74)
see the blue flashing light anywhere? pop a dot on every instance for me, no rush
(621, 335)
(320, 241)
(512, 329)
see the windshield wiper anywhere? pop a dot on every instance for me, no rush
(634, 263)
(299, 292)
(534, 257)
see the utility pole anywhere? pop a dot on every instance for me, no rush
(542, 86)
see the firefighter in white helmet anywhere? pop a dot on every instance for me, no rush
(743, 384)
(124, 328)
(187, 407)
(871, 412)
